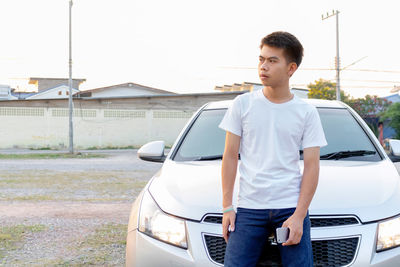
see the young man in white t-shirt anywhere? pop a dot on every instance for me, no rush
(268, 128)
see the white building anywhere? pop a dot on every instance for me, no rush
(5, 93)
(122, 90)
(248, 86)
(61, 91)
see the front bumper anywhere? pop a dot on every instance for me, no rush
(145, 251)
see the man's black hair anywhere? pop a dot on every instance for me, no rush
(292, 48)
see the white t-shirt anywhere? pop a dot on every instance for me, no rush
(271, 137)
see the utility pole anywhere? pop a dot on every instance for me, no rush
(71, 130)
(337, 59)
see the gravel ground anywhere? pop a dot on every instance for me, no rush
(76, 232)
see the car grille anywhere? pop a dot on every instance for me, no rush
(315, 222)
(213, 219)
(332, 221)
(326, 253)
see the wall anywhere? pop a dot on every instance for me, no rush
(102, 122)
(121, 91)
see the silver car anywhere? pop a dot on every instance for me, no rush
(355, 213)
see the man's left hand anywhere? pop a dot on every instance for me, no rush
(295, 225)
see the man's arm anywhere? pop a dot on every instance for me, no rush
(308, 186)
(228, 173)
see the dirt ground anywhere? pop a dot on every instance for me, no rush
(68, 212)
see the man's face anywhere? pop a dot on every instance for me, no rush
(273, 69)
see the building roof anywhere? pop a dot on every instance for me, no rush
(248, 86)
(315, 102)
(129, 84)
(35, 80)
(300, 89)
(392, 98)
(47, 90)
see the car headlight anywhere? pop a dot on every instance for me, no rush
(388, 234)
(157, 224)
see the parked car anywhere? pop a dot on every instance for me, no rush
(355, 213)
(393, 149)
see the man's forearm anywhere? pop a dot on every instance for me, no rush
(229, 167)
(307, 190)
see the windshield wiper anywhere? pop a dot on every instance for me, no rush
(215, 157)
(347, 154)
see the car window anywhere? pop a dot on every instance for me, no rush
(342, 131)
(204, 137)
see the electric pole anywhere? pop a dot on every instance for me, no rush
(71, 130)
(337, 59)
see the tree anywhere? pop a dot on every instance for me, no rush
(369, 106)
(393, 114)
(323, 89)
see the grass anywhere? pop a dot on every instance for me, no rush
(104, 247)
(11, 237)
(87, 186)
(51, 156)
(119, 147)
(40, 148)
(107, 235)
(112, 147)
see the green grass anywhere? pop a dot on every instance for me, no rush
(112, 147)
(40, 148)
(106, 235)
(91, 186)
(108, 238)
(104, 247)
(51, 156)
(11, 237)
(118, 147)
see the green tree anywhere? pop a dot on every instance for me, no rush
(323, 89)
(393, 114)
(369, 106)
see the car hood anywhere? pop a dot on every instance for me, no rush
(369, 190)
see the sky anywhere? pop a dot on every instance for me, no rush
(188, 46)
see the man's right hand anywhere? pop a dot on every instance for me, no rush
(228, 221)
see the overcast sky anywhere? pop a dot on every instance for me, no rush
(190, 46)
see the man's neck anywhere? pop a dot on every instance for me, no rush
(277, 95)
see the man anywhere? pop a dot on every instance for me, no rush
(268, 128)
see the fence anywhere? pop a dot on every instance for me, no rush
(98, 123)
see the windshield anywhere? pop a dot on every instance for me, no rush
(204, 138)
(346, 139)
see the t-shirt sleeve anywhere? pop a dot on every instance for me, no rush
(232, 121)
(313, 132)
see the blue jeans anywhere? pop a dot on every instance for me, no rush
(252, 229)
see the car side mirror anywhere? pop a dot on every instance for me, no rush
(394, 148)
(153, 151)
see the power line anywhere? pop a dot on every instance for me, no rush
(355, 62)
(373, 81)
(312, 69)
(351, 86)
(362, 70)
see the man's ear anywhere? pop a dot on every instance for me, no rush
(292, 68)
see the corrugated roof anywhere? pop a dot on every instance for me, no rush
(129, 84)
